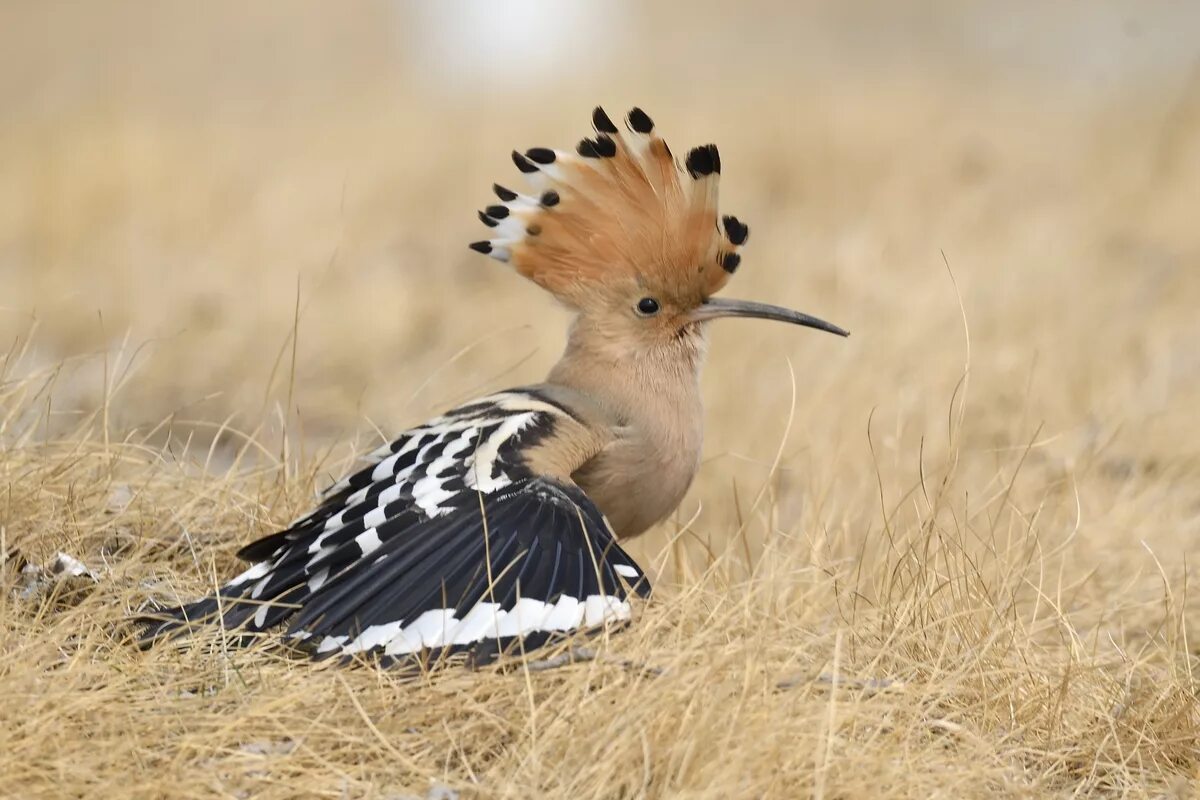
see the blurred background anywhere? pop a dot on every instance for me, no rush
(185, 186)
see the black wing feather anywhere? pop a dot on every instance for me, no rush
(537, 542)
(442, 522)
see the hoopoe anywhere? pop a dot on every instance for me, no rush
(495, 525)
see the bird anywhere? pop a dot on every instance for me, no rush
(496, 527)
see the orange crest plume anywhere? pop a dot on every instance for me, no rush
(618, 210)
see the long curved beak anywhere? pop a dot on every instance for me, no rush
(716, 307)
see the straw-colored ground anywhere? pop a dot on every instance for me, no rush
(954, 555)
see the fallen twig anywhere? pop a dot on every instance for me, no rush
(580, 653)
(866, 685)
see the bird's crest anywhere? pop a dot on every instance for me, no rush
(617, 210)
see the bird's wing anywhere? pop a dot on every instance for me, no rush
(458, 536)
(426, 471)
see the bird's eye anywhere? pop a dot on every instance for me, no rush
(647, 306)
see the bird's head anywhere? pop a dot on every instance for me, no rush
(625, 237)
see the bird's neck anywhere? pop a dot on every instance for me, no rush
(636, 385)
(648, 401)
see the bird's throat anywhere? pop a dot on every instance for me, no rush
(640, 383)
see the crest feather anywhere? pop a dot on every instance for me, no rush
(617, 211)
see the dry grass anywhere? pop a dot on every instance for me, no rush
(956, 562)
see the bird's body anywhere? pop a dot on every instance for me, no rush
(495, 525)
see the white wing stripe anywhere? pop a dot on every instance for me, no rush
(428, 492)
(374, 517)
(413, 442)
(318, 579)
(438, 627)
(566, 614)
(385, 468)
(368, 541)
(254, 573)
(374, 636)
(479, 475)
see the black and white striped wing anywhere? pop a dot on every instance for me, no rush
(425, 529)
(425, 472)
(529, 562)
